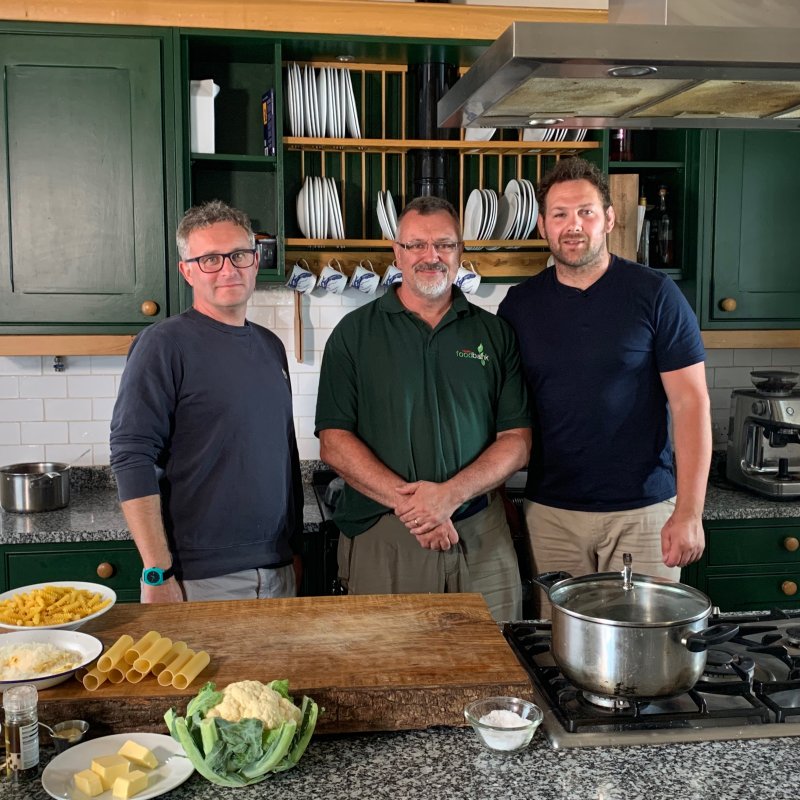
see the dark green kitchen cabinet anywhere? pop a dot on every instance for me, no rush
(115, 564)
(86, 151)
(752, 260)
(749, 565)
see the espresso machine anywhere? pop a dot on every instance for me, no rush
(764, 435)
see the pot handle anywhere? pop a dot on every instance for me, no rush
(50, 476)
(716, 634)
(548, 579)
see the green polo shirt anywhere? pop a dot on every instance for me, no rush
(426, 401)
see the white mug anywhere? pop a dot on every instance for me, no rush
(332, 279)
(364, 278)
(467, 278)
(302, 278)
(392, 275)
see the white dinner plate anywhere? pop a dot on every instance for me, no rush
(532, 210)
(507, 207)
(489, 213)
(478, 134)
(325, 230)
(351, 108)
(297, 82)
(391, 212)
(535, 134)
(473, 215)
(343, 103)
(383, 220)
(332, 83)
(302, 217)
(322, 102)
(173, 769)
(336, 209)
(513, 188)
(290, 101)
(307, 203)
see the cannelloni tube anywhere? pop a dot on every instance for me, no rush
(176, 649)
(94, 678)
(134, 652)
(133, 675)
(156, 650)
(117, 673)
(189, 672)
(166, 676)
(114, 653)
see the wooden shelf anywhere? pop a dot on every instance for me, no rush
(383, 244)
(236, 162)
(464, 147)
(57, 345)
(645, 164)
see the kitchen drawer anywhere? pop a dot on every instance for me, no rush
(756, 545)
(119, 564)
(755, 592)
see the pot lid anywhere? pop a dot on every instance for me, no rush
(650, 601)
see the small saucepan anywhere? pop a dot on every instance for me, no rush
(36, 486)
(617, 634)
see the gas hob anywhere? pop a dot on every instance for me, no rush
(750, 690)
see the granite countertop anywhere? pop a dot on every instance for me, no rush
(449, 763)
(94, 514)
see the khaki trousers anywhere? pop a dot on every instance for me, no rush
(387, 559)
(583, 542)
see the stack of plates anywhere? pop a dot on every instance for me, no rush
(554, 134)
(319, 212)
(321, 102)
(387, 215)
(511, 216)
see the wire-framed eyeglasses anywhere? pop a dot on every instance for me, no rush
(419, 247)
(212, 262)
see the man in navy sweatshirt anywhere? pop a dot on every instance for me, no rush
(202, 436)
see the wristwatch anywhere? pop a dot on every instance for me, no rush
(155, 576)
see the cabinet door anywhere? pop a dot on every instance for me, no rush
(82, 171)
(755, 259)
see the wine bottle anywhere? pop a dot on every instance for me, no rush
(621, 145)
(643, 248)
(665, 231)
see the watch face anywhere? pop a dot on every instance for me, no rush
(153, 577)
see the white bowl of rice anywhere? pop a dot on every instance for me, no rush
(44, 658)
(56, 605)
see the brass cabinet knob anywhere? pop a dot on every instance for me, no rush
(105, 570)
(789, 588)
(791, 543)
(149, 308)
(727, 304)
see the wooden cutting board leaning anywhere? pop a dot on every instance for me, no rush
(374, 663)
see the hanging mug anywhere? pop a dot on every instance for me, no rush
(392, 275)
(332, 279)
(302, 278)
(467, 278)
(364, 278)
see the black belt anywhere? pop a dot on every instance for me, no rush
(472, 507)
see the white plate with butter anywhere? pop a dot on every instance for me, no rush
(173, 766)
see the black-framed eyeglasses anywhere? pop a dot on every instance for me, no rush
(212, 262)
(419, 247)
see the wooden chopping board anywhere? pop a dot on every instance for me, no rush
(374, 662)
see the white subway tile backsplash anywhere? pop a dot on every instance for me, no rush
(107, 365)
(786, 358)
(21, 453)
(752, 358)
(102, 407)
(21, 410)
(67, 409)
(44, 433)
(719, 358)
(304, 427)
(91, 386)
(305, 405)
(88, 432)
(20, 365)
(307, 384)
(101, 454)
(308, 449)
(73, 365)
(733, 377)
(9, 386)
(80, 454)
(262, 315)
(9, 433)
(42, 386)
(720, 398)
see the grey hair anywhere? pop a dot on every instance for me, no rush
(207, 214)
(431, 205)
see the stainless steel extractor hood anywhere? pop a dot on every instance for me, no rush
(622, 75)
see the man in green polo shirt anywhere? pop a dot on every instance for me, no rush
(422, 410)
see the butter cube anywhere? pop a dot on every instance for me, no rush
(88, 782)
(130, 784)
(139, 754)
(109, 768)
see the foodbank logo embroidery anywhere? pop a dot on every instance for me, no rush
(477, 354)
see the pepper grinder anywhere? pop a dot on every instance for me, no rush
(21, 728)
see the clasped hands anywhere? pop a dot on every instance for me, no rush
(425, 509)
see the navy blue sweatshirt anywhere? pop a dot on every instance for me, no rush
(204, 417)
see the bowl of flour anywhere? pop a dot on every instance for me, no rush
(504, 724)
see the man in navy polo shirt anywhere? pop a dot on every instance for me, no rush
(422, 410)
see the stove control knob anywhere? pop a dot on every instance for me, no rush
(789, 588)
(791, 543)
(759, 408)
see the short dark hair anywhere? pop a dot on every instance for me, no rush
(431, 205)
(574, 169)
(205, 214)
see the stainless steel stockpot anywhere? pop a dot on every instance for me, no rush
(624, 635)
(37, 486)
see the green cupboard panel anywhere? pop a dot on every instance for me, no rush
(755, 260)
(82, 159)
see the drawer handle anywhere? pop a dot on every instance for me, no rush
(791, 543)
(149, 308)
(105, 570)
(789, 588)
(728, 304)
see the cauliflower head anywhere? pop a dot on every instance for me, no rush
(255, 700)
